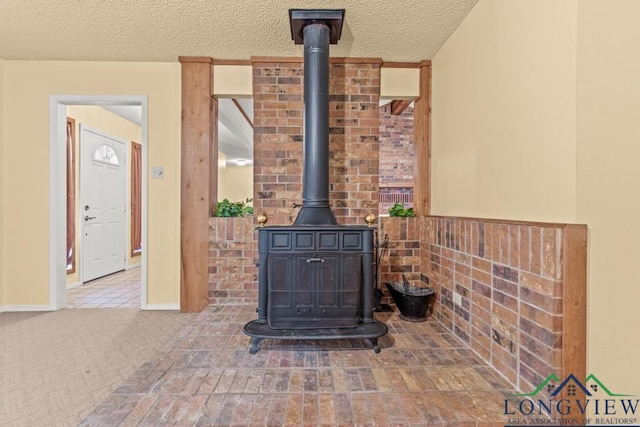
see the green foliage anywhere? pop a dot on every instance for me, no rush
(398, 209)
(226, 208)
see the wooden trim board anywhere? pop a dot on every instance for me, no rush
(198, 110)
(574, 302)
(422, 141)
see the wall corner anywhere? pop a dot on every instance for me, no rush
(2, 269)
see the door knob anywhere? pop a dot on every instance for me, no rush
(87, 217)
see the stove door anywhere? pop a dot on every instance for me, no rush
(314, 290)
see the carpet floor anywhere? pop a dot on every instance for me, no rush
(55, 367)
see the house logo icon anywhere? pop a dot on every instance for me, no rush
(591, 385)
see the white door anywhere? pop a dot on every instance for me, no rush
(102, 208)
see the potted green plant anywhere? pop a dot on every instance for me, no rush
(399, 210)
(226, 209)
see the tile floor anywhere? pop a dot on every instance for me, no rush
(116, 290)
(424, 376)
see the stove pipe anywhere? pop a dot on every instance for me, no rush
(316, 34)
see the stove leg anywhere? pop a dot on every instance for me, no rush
(255, 342)
(374, 342)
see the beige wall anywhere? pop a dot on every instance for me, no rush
(535, 117)
(28, 87)
(235, 183)
(504, 113)
(608, 194)
(1, 183)
(98, 118)
(398, 83)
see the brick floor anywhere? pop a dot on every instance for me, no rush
(424, 376)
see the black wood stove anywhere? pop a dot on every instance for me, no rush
(315, 278)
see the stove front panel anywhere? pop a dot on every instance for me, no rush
(315, 276)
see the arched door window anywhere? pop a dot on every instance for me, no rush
(105, 154)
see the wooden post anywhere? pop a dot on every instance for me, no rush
(198, 140)
(574, 302)
(422, 141)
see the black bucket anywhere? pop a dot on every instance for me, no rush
(414, 303)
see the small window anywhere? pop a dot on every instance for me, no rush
(105, 154)
(136, 199)
(71, 195)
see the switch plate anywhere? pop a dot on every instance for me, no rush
(157, 172)
(457, 298)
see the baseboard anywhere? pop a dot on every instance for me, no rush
(73, 285)
(132, 266)
(161, 307)
(9, 308)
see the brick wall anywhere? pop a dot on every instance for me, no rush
(353, 140)
(397, 158)
(232, 254)
(277, 137)
(278, 162)
(397, 154)
(509, 277)
(404, 251)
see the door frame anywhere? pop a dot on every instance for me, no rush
(79, 218)
(57, 189)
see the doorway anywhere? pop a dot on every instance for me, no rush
(109, 261)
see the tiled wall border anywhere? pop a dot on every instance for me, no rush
(523, 292)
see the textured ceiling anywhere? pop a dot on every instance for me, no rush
(162, 30)
(133, 113)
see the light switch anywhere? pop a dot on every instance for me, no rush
(157, 172)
